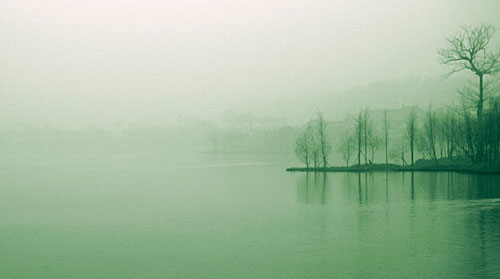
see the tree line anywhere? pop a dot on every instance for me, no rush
(468, 132)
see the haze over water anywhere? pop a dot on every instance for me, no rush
(101, 63)
(149, 139)
(242, 216)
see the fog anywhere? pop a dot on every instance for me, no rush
(104, 63)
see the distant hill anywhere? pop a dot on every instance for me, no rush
(392, 94)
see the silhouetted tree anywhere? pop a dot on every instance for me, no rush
(315, 150)
(347, 147)
(374, 141)
(386, 136)
(304, 146)
(430, 133)
(365, 131)
(358, 127)
(324, 145)
(468, 50)
(411, 132)
(398, 152)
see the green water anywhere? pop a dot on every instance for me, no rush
(238, 216)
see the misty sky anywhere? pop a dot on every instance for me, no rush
(92, 62)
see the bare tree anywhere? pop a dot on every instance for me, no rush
(468, 141)
(365, 129)
(315, 150)
(398, 151)
(430, 133)
(469, 95)
(403, 151)
(374, 142)
(386, 136)
(347, 146)
(358, 127)
(304, 146)
(442, 118)
(366, 137)
(468, 50)
(451, 129)
(411, 132)
(324, 145)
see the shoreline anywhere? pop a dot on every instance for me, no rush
(473, 169)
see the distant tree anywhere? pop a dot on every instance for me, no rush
(374, 142)
(469, 130)
(367, 137)
(442, 121)
(403, 152)
(430, 128)
(386, 136)
(468, 50)
(495, 130)
(358, 127)
(411, 132)
(365, 132)
(323, 143)
(398, 151)
(347, 147)
(315, 148)
(451, 128)
(304, 146)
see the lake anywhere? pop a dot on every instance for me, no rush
(241, 216)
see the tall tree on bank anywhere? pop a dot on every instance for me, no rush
(468, 50)
(411, 132)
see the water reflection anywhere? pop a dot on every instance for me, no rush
(447, 222)
(312, 188)
(386, 186)
(412, 188)
(482, 233)
(377, 187)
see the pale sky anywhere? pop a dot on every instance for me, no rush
(91, 62)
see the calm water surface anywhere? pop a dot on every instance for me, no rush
(242, 216)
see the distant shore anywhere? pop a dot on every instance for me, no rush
(469, 168)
